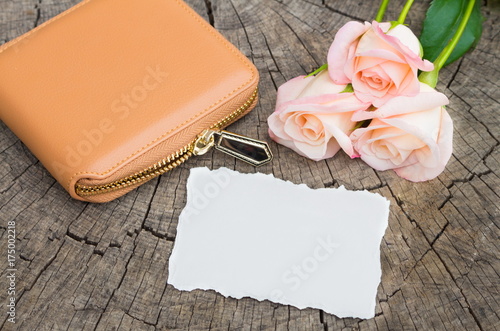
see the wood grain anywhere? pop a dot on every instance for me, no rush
(104, 267)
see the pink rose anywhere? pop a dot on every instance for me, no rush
(380, 62)
(313, 118)
(412, 135)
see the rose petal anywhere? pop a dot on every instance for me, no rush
(409, 86)
(340, 125)
(331, 103)
(376, 162)
(360, 137)
(405, 37)
(411, 57)
(285, 142)
(382, 132)
(313, 128)
(276, 126)
(385, 26)
(371, 40)
(364, 85)
(386, 54)
(422, 124)
(321, 84)
(339, 50)
(428, 98)
(396, 72)
(445, 137)
(303, 86)
(407, 142)
(293, 128)
(318, 152)
(292, 88)
(417, 172)
(366, 62)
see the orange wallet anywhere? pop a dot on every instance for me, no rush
(112, 93)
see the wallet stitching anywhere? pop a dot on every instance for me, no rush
(226, 44)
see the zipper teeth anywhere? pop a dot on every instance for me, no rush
(166, 164)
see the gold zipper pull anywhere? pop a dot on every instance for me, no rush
(204, 142)
(252, 151)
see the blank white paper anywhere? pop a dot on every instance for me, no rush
(253, 235)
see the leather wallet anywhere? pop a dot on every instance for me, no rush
(112, 93)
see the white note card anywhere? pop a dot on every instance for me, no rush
(253, 235)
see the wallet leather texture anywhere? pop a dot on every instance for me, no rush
(110, 87)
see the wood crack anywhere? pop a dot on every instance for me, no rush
(158, 234)
(390, 295)
(469, 177)
(301, 42)
(455, 73)
(431, 247)
(38, 11)
(28, 287)
(272, 57)
(242, 25)
(25, 170)
(428, 250)
(82, 239)
(469, 110)
(295, 16)
(119, 284)
(210, 12)
(149, 229)
(375, 187)
(139, 319)
(322, 320)
(352, 17)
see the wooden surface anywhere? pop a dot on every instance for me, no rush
(104, 267)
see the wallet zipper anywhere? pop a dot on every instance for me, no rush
(249, 150)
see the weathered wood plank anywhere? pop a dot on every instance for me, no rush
(102, 267)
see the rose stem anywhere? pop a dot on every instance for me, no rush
(381, 10)
(431, 77)
(405, 11)
(446, 52)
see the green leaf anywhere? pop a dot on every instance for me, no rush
(362, 124)
(440, 24)
(348, 89)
